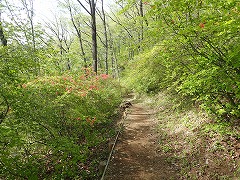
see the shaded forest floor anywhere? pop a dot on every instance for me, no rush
(161, 140)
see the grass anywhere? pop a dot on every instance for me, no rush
(195, 144)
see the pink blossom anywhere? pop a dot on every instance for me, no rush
(93, 87)
(104, 76)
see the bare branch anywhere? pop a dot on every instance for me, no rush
(84, 7)
(118, 22)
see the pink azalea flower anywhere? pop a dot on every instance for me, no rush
(104, 76)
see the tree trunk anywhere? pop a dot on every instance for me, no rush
(106, 39)
(29, 12)
(94, 35)
(92, 13)
(79, 35)
(2, 37)
(141, 14)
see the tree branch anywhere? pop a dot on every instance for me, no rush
(84, 7)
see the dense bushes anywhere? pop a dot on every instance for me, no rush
(56, 124)
(146, 74)
(197, 54)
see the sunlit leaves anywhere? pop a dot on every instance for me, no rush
(199, 55)
(53, 123)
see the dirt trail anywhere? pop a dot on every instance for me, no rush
(135, 156)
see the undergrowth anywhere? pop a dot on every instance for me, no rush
(57, 127)
(197, 146)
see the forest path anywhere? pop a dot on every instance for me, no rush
(135, 156)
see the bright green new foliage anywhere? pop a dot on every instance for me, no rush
(56, 124)
(196, 53)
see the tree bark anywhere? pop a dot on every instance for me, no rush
(106, 39)
(92, 13)
(2, 37)
(79, 35)
(142, 16)
(94, 35)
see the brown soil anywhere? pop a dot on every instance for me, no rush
(135, 156)
(167, 143)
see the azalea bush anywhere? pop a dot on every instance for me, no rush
(56, 125)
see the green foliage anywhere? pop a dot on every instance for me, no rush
(199, 54)
(188, 137)
(53, 121)
(142, 74)
(56, 124)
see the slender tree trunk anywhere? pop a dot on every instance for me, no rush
(106, 38)
(94, 35)
(2, 37)
(82, 49)
(92, 13)
(140, 34)
(79, 35)
(29, 12)
(116, 64)
(141, 14)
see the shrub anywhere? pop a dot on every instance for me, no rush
(54, 125)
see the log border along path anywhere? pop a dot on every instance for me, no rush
(135, 156)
